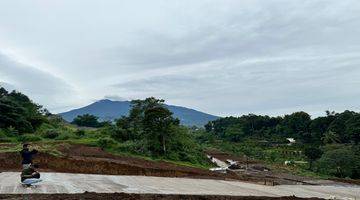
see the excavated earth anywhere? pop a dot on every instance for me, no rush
(93, 160)
(125, 196)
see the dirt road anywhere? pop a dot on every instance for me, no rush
(79, 183)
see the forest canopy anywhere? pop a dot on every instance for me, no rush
(19, 112)
(333, 128)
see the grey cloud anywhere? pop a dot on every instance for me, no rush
(224, 57)
(43, 87)
(115, 97)
(7, 86)
(269, 31)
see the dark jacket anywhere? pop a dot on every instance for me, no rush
(27, 156)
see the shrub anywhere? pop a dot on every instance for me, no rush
(50, 134)
(80, 133)
(105, 142)
(130, 146)
(3, 136)
(65, 136)
(28, 138)
(11, 131)
(341, 162)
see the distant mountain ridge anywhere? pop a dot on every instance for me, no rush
(109, 110)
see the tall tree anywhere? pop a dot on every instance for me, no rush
(330, 137)
(86, 120)
(312, 153)
(18, 111)
(157, 126)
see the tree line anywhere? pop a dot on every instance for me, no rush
(330, 143)
(333, 128)
(19, 112)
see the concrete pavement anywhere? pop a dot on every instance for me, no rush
(79, 183)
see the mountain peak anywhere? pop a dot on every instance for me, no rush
(104, 100)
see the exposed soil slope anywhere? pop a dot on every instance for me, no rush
(92, 160)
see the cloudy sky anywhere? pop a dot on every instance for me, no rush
(224, 57)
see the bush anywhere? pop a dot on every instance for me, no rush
(105, 142)
(28, 138)
(2, 134)
(80, 133)
(50, 134)
(11, 131)
(341, 162)
(65, 136)
(130, 146)
(4, 137)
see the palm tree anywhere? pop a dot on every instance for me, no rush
(330, 137)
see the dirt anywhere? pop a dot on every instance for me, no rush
(93, 160)
(266, 177)
(350, 181)
(124, 196)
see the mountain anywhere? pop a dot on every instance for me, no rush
(110, 110)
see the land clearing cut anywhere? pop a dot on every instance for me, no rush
(76, 158)
(93, 160)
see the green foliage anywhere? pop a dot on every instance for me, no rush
(66, 136)
(341, 161)
(80, 133)
(87, 120)
(11, 131)
(2, 134)
(137, 147)
(50, 134)
(105, 142)
(333, 128)
(28, 138)
(18, 111)
(151, 130)
(4, 137)
(312, 153)
(157, 123)
(330, 137)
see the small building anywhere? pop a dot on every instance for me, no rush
(291, 141)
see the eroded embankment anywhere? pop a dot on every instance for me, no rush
(109, 165)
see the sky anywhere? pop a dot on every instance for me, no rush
(223, 57)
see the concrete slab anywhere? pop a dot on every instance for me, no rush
(79, 183)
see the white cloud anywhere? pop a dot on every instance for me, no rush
(43, 87)
(220, 56)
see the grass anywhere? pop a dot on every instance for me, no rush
(181, 163)
(50, 148)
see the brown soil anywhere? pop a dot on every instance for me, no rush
(124, 196)
(92, 160)
(350, 181)
(258, 176)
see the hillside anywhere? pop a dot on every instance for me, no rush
(109, 110)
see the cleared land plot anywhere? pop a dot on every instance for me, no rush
(79, 183)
